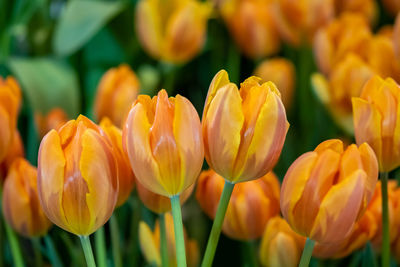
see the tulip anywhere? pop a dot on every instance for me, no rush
(395, 233)
(280, 245)
(367, 8)
(172, 31)
(117, 90)
(396, 37)
(10, 98)
(252, 26)
(392, 6)
(150, 244)
(15, 151)
(21, 207)
(281, 72)
(53, 120)
(251, 206)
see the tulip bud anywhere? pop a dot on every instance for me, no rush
(366, 8)
(375, 121)
(117, 90)
(10, 98)
(280, 245)
(281, 72)
(162, 137)
(21, 206)
(53, 120)
(172, 31)
(326, 190)
(77, 176)
(251, 24)
(126, 178)
(244, 130)
(251, 205)
(15, 151)
(150, 244)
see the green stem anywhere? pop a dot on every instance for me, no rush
(100, 242)
(87, 249)
(38, 253)
(250, 254)
(163, 242)
(116, 248)
(14, 244)
(385, 221)
(307, 253)
(54, 258)
(216, 228)
(178, 229)
(134, 243)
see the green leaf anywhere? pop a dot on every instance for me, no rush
(80, 20)
(47, 83)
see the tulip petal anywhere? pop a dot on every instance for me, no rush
(148, 245)
(220, 79)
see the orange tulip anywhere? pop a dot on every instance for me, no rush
(392, 6)
(396, 37)
(280, 245)
(281, 72)
(15, 151)
(117, 90)
(172, 31)
(366, 8)
(150, 244)
(10, 98)
(244, 130)
(77, 176)
(251, 205)
(394, 221)
(251, 24)
(326, 190)
(126, 178)
(53, 120)
(375, 120)
(21, 206)
(162, 137)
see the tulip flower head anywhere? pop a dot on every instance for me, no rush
(326, 190)
(244, 130)
(21, 205)
(366, 8)
(15, 151)
(77, 177)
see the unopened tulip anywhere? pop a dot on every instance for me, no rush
(21, 205)
(366, 8)
(376, 122)
(150, 244)
(252, 204)
(117, 90)
(392, 6)
(52, 120)
(244, 130)
(172, 31)
(10, 98)
(280, 245)
(15, 151)
(251, 24)
(77, 177)
(281, 72)
(326, 190)
(126, 178)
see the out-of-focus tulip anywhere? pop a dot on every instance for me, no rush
(21, 205)
(366, 8)
(77, 176)
(392, 6)
(396, 37)
(394, 199)
(244, 130)
(172, 31)
(150, 244)
(251, 205)
(117, 90)
(162, 137)
(376, 121)
(281, 72)
(126, 178)
(10, 98)
(348, 33)
(297, 21)
(15, 151)
(326, 190)
(280, 245)
(158, 203)
(53, 120)
(251, 24)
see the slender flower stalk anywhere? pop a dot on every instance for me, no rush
(14, 245)
(100, 246)
(385, 221)
(307, 252)
(115, 242)
(53, 255)
(217, 225)
(178, 228)
(87, 249)
(37, 251)
(163, 241)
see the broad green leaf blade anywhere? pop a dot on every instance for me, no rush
(47, 83)
(80, 20)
